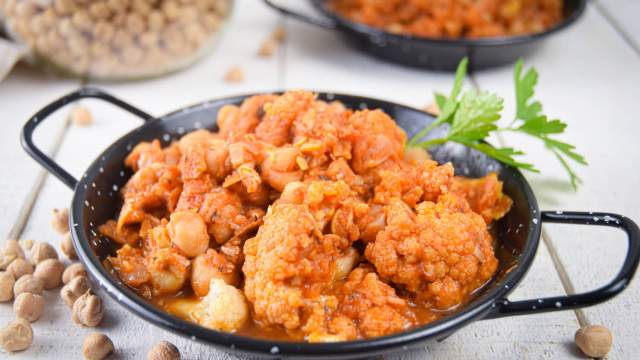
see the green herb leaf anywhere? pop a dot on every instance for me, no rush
(566, 149)
(447, 106)
(575, 180)
(440, 99)
(451, 104)
(474, 117)
(505, 155)
(525, 85)
(542, 126)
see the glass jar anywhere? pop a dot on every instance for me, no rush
(115, 39)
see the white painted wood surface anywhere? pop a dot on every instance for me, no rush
(589, 78)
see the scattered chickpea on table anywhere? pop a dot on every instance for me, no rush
(96, 346)
(163, 350)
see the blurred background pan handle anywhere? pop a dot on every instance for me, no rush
(316, 21)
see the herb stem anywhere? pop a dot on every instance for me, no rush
(431, 142)
(422, 133)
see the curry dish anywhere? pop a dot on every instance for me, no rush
(301, 219)
(453, 18)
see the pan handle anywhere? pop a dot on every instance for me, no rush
(574, 301)
(321, 22)
(31, 125)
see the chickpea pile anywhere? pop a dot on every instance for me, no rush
(116, 38)
(25, 280)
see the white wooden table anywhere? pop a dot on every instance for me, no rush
(590, 78)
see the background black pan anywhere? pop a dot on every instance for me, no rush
(432, 53)
(96, 200)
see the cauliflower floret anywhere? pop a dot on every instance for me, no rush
(363, 306)
(412, 183)
(288, 263)
(330, 202)
(280, 114)
(442, 253)
(224, 308)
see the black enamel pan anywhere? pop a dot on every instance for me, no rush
(96, 199)
(432, 53)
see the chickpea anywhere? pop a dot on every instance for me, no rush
(212, 22)
(60, 220)
(188, 14)
(594, 340)
(38, 24)
(156, 20)
(171, 9)
(25, 9)
(16, 336)
(132, 56)
(54, 41)
(141, 7)
(43, 251)
(65, 27)
(87, 310)
(50, 272)
(117, 6)
(77, 46)
(224, 306)
(279, 34)
(66, 245)
(99, 11)
(7, 282)
(188, 232)
(72, 271)
(268, 48)
(195, 34)
(199, 138)
(96, 346)
(208, 266)
(63, 7)
(168, 270)
(163, 350)
(121, 39)
(104, 31)
(222, 7)
(82, 20)
(28, 283)
(20, 267)
(234, 75)
(29, 306)
(175, 41)
(10, 252)
(74, 289)
(80, 115)
(135, 24)
(149, 40)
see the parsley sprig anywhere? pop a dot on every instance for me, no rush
(473, 116)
